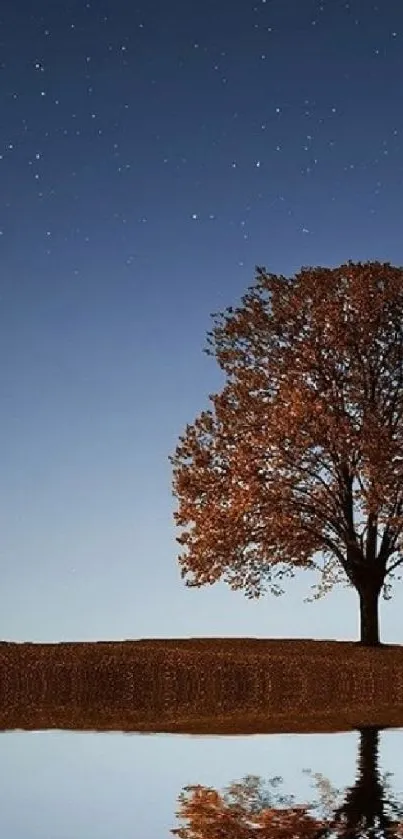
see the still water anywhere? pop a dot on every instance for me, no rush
(71, 785)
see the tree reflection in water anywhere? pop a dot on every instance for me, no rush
(248, 809)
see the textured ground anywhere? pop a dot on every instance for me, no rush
(216, 685)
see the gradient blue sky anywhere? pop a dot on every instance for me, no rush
(151, 155)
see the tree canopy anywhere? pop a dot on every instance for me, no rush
(298, 463)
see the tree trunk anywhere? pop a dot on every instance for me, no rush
(369, 618)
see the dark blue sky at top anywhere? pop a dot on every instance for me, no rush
(151, 154)
(129, 127)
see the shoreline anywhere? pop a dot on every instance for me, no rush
(200, 685)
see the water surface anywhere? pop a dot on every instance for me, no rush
(97, 785)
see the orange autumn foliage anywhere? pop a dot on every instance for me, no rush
(245, 810)
(210, 815)
(299, 463)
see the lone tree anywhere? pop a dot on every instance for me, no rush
(299, 464)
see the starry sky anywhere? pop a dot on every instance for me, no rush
(151, 154)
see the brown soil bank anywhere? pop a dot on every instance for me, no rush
(201, 685)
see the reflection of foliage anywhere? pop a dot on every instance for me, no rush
(247, 809)
(251, 794)
(328, 795)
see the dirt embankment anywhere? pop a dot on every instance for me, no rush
(201, 685)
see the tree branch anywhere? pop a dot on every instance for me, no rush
(395, 565)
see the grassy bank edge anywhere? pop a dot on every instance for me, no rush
(383, 663)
